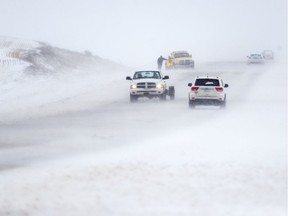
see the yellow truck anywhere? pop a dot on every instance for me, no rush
(179, 59)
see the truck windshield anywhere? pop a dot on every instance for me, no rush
(181, 55)
(147, 75)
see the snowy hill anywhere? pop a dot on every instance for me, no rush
(41, 79)
(42, 58)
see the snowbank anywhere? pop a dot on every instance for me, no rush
(167, 160)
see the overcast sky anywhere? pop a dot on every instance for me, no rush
(134, 32)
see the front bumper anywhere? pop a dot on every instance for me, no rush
(255, 61)
(185, 63)
(182, 66)
(150, 92)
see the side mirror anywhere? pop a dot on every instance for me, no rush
(165, 77)
(128, 78)
(226, 86)
(189, 84)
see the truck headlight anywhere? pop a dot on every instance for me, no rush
(160, 86)
(133, 86)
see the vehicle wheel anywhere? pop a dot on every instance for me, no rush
(133, 98)
(223, 104)
(171, 92)
(191, 104)
(193, 66)
(162, 97)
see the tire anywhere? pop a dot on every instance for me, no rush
(133, 98)
(191, 104)
(162, 97)
(171, 92)
(223, 104)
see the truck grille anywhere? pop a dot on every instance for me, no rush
(146, 85)
(184, 62)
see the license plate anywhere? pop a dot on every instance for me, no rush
(206, 89)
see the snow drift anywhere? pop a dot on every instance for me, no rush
(72, 144)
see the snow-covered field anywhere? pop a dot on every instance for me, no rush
(72, 144)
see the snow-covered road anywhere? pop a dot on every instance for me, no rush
(79, 147)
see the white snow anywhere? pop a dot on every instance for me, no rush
(72, 144)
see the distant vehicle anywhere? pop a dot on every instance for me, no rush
(268, 54)
(255, 59)
(179, 59)
(207, 91)
(149, 84)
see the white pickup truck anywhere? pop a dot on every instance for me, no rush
(149, 84)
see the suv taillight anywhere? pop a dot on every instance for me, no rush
(194, 88)
(219, 89)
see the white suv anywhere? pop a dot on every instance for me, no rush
(207, 90)
(149, 84)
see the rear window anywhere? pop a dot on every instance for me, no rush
(207, 82)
